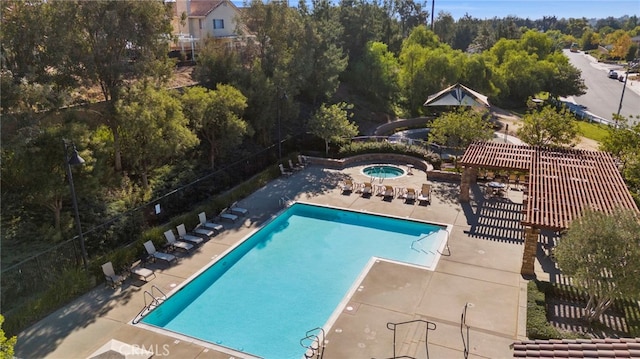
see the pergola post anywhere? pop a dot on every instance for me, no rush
(465, 180)
(530, 248)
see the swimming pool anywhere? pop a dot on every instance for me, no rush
(383, 171)
(291, 276)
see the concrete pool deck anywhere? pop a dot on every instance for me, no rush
(482, 267)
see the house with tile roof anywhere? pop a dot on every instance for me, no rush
(195, 20)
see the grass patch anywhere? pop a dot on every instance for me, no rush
(593, 131)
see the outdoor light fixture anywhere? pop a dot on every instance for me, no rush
(72, 160)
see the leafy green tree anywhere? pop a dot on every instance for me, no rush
(217, 116)
(623, 142)
(34, 173)
(536, 43)
(411, 14)
(466, 31)
(562, 78)
(460, 128)
(445, 27)
(485, 38)
(363, 22)
(113, 42)
(426, 67)
(523, 77)
(6, 344)
(577, 27)
(154, 129)
(548, 127)
(217, 63)
(321, 59)
(600, 253)
(589, 40)
(331, 123)
(377, 75)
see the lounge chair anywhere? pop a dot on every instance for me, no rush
(425, 194)
(283, 171)
(207, 224)
(224, 214)
(302, 161)
(190, 238)
(113, 280)
(151, 249)
(367, 189)
(347, 186)
(409, 195)
(294, 167)
(388, 192)
(176, 244)
(238, 210)
(142, 273)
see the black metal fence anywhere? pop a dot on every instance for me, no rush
(36, 274)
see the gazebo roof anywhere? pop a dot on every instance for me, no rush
(457, 95)
(562, 182)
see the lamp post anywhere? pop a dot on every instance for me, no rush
(69, 160)
(624, 86)
(279, 130)
(279, 98)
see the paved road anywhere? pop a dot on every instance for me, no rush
(603, 94)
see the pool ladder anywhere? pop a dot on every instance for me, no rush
(380, 178)
(155, 301)
(314, 342)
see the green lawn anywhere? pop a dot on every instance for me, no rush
(594, 131)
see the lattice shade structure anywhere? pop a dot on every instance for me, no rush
(562, 182)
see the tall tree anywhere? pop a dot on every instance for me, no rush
(331, 123)
(154, 129)
(600, 252)
(460, 128)
(377, 75)
(445, 27)
(217, 116)
(623, 142)
(466, 31)
(548, 127)
(115, 42)
(319, 57)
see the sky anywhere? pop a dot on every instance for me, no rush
(486, 9)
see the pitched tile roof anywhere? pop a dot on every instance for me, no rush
(578, 348)
(204, 7)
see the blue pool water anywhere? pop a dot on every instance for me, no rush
(289, 277)
(382, 171)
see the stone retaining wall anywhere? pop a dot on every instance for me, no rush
(393, 158)
(444, 176)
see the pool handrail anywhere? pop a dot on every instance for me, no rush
(155, 302)
(430, 326)
(316, 347)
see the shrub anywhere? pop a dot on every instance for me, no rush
(359, 148)
(75, 283)
(538, 327)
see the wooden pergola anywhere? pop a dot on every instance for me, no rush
(561, 183)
